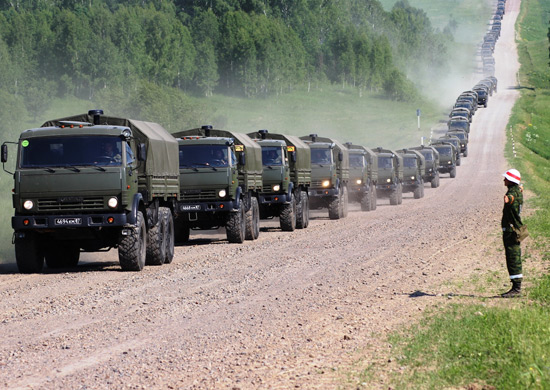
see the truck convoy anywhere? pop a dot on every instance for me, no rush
(90, 183)
(286, 161)
(221, 181)
(363, 168)
(414, 169)
(390, 175)
(431, 157)
(329, 175)
(447, 157)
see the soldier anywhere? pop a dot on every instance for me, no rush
(513, 200)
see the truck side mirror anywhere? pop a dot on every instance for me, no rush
(242, 159)
(293, 157)
(340, 156)
(142, 152)
(4, 153)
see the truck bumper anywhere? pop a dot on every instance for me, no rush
(207, 207)
(37, 222)
(274, 198)
(323, 192)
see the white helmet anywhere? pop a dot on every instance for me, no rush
(512, 175)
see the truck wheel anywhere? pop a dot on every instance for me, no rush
(253, 220)
(394, 196)
(453, 173)
(465, 154)
(156, 241)
(345, 202)
(302, 216)
(458, 162)
(417, 193)
(181, 231)
(373, 197)
(399, 193)
(131, 248)
(287, 217)
(334, 208)
(422, 188)
(366, 200)
(169, 221)
(62, 255)
(29, 256)
(236, 225)
(435, 181)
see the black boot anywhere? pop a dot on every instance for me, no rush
(515, 291)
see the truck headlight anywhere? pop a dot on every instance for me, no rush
(325, 183)
(412, 177)
(222, 193)
(28, 205)
(276, 187)
(449, 162)
(112, 202)
(358, 181)
(388, 180)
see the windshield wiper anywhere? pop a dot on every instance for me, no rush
(99, 168)
(71, 168)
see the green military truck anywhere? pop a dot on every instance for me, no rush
(447, 157)
(363, 172)
(221, 179)
(463, 137)
(431, 157)
(456, 143)
(390, 175)
(286, 161)
(329, 175)
(414, 169)
(90, 183)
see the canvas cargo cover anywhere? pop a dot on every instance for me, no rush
(253, 151)
(162, 147)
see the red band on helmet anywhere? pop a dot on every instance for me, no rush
(513, 176)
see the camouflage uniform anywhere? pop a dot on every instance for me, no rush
(511, 218)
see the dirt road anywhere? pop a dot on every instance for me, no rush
(289, 310)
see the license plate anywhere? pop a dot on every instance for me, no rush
(190, 207)
(68, 221)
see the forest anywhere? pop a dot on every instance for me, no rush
(145, 58)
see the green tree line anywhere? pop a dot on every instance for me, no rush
(108, 50)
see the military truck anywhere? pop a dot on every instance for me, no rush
(329, 175)
(363, 172)
(390, 175)
(286, 161)
(221, 179)
(447, 157)
(414, 169)
(463, 137)
(431, 157)
(91, 183)
(457, 144)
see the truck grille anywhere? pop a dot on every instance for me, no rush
(60, 204)
(198, 195)
(316, 184)
(266, 189)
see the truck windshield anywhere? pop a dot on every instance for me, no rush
(446, 150)
(409, 162)
(458, 125)
(272, 155)
(356, 161)
(321, 156)
(427, 156)
(71, 151)
(193, 156)
(385, 162)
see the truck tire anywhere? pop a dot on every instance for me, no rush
(170, 236)
(253, 220)
(399, 193)
(465, 154)
(181, 231)
(287, 216)
(458, 162)
(302, 209)
(394, 196)
(373, 197)
(132, 247)
(334, 208)
(435, 181)
(236, 225)
(452, 173)
(345, 202)
(156, 241)
(422, 187)
(29, 255)
(366, 200)
(62, 255)
(417, 193)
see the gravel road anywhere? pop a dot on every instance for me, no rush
(289, 310)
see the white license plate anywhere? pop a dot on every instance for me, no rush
(68, 221)
(190, 207)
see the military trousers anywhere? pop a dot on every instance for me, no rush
(513, 254)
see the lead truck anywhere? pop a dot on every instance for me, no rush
(89, 183)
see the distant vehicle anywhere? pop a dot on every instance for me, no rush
(455, 141)
(459, 123)
(463, 112)
(447, 157)
(463, 136)
(363, 171)
(414, 169)
(431, 157)
(482, 95)
(390, 175)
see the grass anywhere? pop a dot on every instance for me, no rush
(503, 344)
